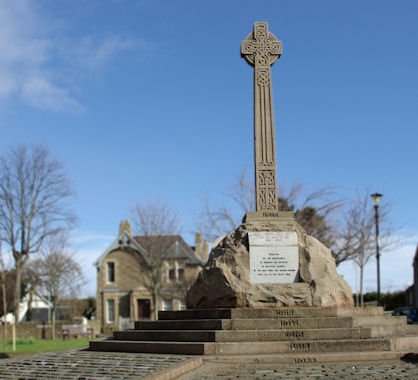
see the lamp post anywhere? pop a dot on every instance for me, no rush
(376, 199)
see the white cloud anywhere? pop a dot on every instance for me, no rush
(95, 53)
(25, 52)
(83, 237)
(41, 93)
(35, 60)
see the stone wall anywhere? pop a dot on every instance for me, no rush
(33, 330)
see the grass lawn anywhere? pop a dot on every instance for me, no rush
(34, 346)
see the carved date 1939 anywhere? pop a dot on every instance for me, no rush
(305, 360)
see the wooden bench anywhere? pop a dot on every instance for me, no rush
(75, 331)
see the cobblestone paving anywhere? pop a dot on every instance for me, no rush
(86, 365)
(394, 369)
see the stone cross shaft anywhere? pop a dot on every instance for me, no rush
(261, 49)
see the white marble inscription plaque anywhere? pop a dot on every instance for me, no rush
(274, 257)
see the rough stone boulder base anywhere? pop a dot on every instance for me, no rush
(225, 280)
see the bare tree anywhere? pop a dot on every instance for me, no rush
(316, 211)
(155, 221)
(61, 276)
(358, 232)
(34, 191)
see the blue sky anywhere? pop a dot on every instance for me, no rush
(151, 99)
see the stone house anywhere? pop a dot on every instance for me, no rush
(123, 276)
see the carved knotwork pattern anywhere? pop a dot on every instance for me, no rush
(263, 60)
(266, 177)
(267, 199)
(263, 77)
(267, 189)
(261, 197)
(271, 199)
(260, 31)
(261, 48)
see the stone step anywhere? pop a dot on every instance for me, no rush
(181, 348)
(352, 311)
(240, 313)
(389, 331)
(284, 312)
(291, 323)
(198, 324)
(305, 346)
(315, 358)
(246, 324)
(411, 329)
(242, 335)
(270, 323)
(404, 343)
(235, 348)
(379, 321)
(167, 335)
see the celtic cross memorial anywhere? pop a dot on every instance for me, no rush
(261, 49)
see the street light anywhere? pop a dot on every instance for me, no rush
(376, 199)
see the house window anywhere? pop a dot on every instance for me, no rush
(110, 273)
(167, 304)
(171, 272)
(180, 272)
(110, 315)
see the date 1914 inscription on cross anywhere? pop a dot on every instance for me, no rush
(261, 49)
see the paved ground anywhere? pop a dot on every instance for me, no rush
(394, 369)
(88, 365)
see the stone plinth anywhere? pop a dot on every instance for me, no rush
(225, 280)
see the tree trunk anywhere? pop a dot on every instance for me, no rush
(54, 308)
(155, 306)
(361, 285)
(3, 292)
(16, 298)
(13, 336)
(30, 301)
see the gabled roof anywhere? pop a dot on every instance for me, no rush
(122, 241)
(171, 246)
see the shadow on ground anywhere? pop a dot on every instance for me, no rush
(410, 358)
